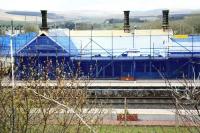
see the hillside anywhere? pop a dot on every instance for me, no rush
(85, 15)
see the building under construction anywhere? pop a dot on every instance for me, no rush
(128, 54)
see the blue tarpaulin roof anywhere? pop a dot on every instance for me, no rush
(4, 45)
(64, 41)
(42, 46)
(18, 42)
(59, 44)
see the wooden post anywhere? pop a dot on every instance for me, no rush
(125, 111)
(176, 114)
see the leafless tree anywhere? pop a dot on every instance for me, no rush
(186, 99)
(41, 102)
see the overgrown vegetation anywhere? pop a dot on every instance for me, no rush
(34, 105)
(2, 32)
(31, 27)
(188, 25)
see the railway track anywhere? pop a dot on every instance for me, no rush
(134, 102)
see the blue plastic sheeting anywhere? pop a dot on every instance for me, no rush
(45, 67)
(41, 67)
(4, 45)
(112, 57)
(118, 45)
(64, 41)
(185, 52)
(137, 45)
(18, 42)
(171, 68)
(191, 38)
(181, 45)
(105, 46)
(55, 43)
(42, 46)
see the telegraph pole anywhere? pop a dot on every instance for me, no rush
(13, 84)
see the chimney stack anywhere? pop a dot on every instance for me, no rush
(165, 19)
(44, 26)
(126, 22)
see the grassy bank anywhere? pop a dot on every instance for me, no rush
(117, 129)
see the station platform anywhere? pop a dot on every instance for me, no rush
(107, 83)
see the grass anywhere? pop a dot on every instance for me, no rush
(145, 129)
(116, 129)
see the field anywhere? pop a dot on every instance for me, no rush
(144, 129)
(120, 129)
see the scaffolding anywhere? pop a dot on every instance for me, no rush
(105, 54)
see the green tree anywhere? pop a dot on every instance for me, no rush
(194, 22)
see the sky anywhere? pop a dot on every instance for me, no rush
(100, 5)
